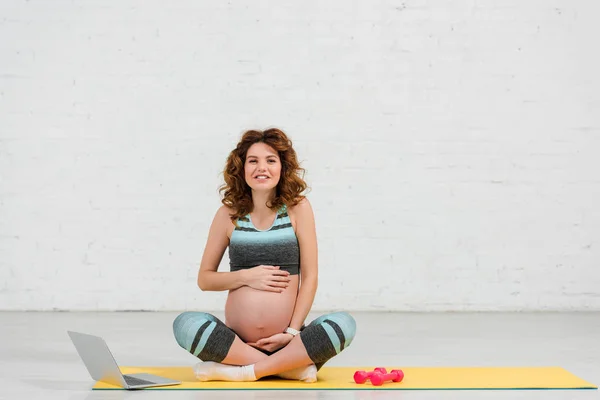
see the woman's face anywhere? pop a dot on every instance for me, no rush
(262, 168)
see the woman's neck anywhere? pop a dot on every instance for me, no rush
(261, 202)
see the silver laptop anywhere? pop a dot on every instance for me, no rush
(102, 366)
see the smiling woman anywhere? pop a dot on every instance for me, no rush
(262, 166)
(268, 226)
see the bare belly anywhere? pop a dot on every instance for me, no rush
(256, 314)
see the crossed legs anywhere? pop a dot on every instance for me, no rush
(209, 339)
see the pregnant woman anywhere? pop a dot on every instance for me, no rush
(269, 228)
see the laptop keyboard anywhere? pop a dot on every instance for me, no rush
(135, 381)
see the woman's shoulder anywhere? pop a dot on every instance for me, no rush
(223, 221)
(302, 207)
(225, 211)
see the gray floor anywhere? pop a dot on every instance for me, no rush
(37, 360)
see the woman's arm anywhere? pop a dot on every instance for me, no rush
(307, 240)
(208, 277)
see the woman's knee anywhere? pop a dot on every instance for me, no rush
(342, 322)
(203, 335)
(189, 320)
(347, 325)
(328, 335)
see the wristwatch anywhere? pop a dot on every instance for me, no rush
(291, 331)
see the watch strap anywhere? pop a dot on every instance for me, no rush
(291, 331)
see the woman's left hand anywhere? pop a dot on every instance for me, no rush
(275, 342)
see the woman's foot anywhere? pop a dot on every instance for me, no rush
(212, 371)
(306, 374)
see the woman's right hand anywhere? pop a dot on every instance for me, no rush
(267, 277)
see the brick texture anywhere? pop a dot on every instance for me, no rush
(451, 148)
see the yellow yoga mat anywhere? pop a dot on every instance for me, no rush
(415, 378)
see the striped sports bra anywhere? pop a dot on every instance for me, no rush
(278, 245)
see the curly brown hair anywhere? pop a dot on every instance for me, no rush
(237, 193)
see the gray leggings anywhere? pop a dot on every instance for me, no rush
(209, 339)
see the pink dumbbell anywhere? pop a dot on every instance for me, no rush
(378, 378)
(363, 376)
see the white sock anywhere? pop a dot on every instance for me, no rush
(306, 374)
(212, 371)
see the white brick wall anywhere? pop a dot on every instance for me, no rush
(452, 148)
